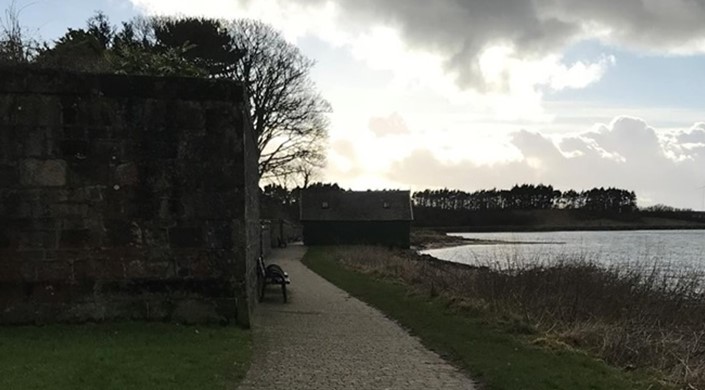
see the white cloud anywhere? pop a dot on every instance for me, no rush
(476, 55)
(444, 42)
(580, 74)
(625, 153)
(392, 125)
(696, 135)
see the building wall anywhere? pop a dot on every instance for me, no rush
(125, 198)
(391, 233)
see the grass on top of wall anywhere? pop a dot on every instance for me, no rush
(122, 356)
(500, 353)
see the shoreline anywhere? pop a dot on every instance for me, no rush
(439, 238)
(429, 240)
(557, 228)
(453, 243)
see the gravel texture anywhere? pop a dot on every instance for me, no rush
(325, 339)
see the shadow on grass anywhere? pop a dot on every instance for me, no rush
(123, 356)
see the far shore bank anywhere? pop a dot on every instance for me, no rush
(438, 238)
(572, 228)
(424, 239)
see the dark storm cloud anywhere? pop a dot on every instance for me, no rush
(459, 30)
(648, 24)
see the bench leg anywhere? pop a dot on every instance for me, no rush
(261, 291)
(284, 291)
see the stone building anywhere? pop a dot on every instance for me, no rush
(126, 197)
(350, 217)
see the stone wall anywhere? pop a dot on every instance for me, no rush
(125, 198)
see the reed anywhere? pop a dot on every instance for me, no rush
(642, 315)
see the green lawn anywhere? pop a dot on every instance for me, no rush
(122, 356)
(484, 347)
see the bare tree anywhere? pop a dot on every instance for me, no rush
(289, 115)
(302, 172)
(16, 47)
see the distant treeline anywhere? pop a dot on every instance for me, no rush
(276, 199)
(529, 197)
(279, 202)
(521, 207)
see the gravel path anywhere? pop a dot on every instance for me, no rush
(325, 339)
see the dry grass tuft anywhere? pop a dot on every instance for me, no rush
(635, 316)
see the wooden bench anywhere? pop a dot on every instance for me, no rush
(271, 274)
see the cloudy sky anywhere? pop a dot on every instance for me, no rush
(475, 94)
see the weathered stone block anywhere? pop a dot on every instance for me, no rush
(9, 176)
(112, 268)
(156, 114)
(219, 117)
(104, 150)
(75, 149)
(27, 271)
(36, 239)
(120, 203)
(86, 172)
(75, 238)
(34, 224)
(6, 240)
(119, 232)
(193, 148)
(7, 102)
(32, 141)
(70, 256)
(128, 151)
(43, 173)
(73, 223)
(197, 312)
(163, 270)
(219, 235)
(185, 237)
(159, 147)
(152, 236)
(158, 309)
(80, 270)
(187, 115)
(24, 255)
(127, 175)
(74, 132)
(54, 271)
(69, 210)
(69, 111)
(193, 264)
(139, 269)
(37, 110)
(87, 194)
(96, 112)
(10, 203)
(9, 272)
(7, 145)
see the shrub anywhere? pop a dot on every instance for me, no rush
(635, 315)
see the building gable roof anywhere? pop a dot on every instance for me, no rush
(356, 206)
